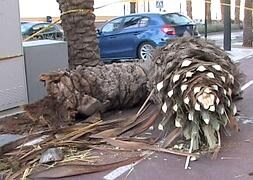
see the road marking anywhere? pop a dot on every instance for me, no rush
(248, 84)
(121, 170)
(248, 121)
(118, 172)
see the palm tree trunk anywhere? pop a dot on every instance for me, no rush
(86, 90)
(189, 8)
(208, 11)
(80, 32)
(222, 9)
(247, 24)
(237, 11)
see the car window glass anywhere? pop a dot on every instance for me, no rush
(52, 28)
(143, 22)
(25, 27)
(38, 27)
(176, 19)
(112, 25)
(134, 22)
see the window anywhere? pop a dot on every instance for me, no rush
(143, 22)
(112, 25)
(176, 19)
(39, 27)
(52, 28)
(134, 22)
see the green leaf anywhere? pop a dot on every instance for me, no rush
(209, 133)
(215, 124)
(205, 116)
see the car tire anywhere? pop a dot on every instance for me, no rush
(145, 50)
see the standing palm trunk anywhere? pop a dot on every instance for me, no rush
(208, 11)
(79, 30)
(247, 24)
(237, 11)
(222, 9)
(189, 8)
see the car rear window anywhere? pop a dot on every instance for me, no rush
(176, 19)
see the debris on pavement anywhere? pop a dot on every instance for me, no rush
(51, 155)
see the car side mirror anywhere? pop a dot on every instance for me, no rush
(98, 31)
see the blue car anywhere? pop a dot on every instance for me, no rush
(135, 36)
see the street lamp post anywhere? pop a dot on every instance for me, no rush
(227, 26)
(205, 20)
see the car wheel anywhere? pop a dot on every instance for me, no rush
(145, 50)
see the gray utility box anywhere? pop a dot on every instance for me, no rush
(42, 56)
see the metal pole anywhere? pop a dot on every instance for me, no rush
(227, 26)
(144, 6)
(148, 6)
(205, 20)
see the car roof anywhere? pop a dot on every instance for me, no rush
(145, 14)
(149, 14)
(33, 22)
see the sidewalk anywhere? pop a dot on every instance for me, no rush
(237, 54)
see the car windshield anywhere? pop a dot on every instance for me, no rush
(176, 19)
(25, 27)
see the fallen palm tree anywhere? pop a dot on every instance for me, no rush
(191, 81)
(194, 83)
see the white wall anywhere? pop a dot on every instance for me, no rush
(39, 8)
(12, 70)
(43, 8)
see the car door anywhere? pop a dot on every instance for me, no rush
(109, 42)
(130, 34)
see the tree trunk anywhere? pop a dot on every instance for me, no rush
(189, 8)
(80, 32)
(208, 12)
(86, 90)
(237, 11)
(222, 9)
(247, 24)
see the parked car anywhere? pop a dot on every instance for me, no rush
(55, 32)
(134, 36)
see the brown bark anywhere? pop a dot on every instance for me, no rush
(189, 8)
(208, 11)
(237, 11)
(247, 24)
(80, 32)
(86, 90)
